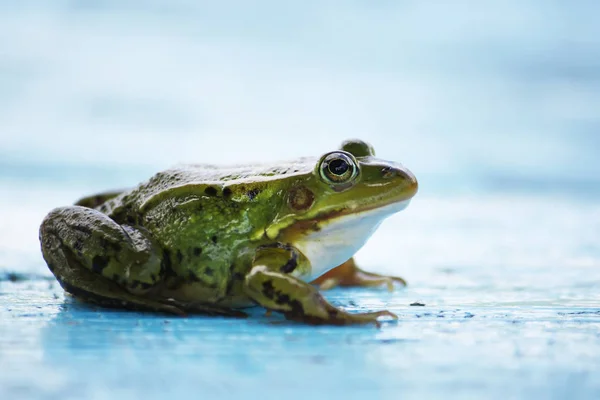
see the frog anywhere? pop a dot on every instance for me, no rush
(216, 240)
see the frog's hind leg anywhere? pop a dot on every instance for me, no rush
(89, 287)
(99, 261)
(349, 275)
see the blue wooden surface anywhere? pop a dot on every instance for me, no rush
(57, 348)
(494, 106)
(525, 324)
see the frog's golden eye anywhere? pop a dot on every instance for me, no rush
(338, 168)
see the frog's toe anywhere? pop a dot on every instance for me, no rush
(339, 317)
(328, 284)
(349, 275)
(366, 318)
(386, 313)
(390, 280)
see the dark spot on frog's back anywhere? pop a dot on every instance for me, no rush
(252, 193)
(210, 191)
(227, 192)
(208, 271)
(179, 256)
(197, 251)
(214, 239)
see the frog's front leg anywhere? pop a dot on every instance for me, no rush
(349, 275)
(271, 285)
(100, 261)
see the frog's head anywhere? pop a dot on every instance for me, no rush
(330, 213)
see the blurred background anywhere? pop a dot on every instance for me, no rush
(494, 105)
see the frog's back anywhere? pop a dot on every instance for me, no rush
(198, 177)
(217, 174)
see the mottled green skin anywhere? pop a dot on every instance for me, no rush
(209, 221)
(217, 236)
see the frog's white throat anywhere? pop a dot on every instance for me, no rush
(340, 238)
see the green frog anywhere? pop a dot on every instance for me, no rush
(214, 240)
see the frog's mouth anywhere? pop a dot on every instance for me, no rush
(332, 240)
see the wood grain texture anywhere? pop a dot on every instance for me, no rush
(52, 347)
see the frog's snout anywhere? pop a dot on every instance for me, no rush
(401, 174)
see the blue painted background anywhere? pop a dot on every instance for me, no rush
(494, 105)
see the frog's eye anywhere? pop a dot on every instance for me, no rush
(338, 168)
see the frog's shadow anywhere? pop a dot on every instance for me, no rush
(74, 312)
(80, 326)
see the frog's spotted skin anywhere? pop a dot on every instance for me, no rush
(210, 239)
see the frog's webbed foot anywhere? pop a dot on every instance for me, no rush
(349, 275)
(300, 301)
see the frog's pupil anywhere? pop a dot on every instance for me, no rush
(338, 166)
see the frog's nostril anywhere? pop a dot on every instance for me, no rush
(388, 172)
(400, 173)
